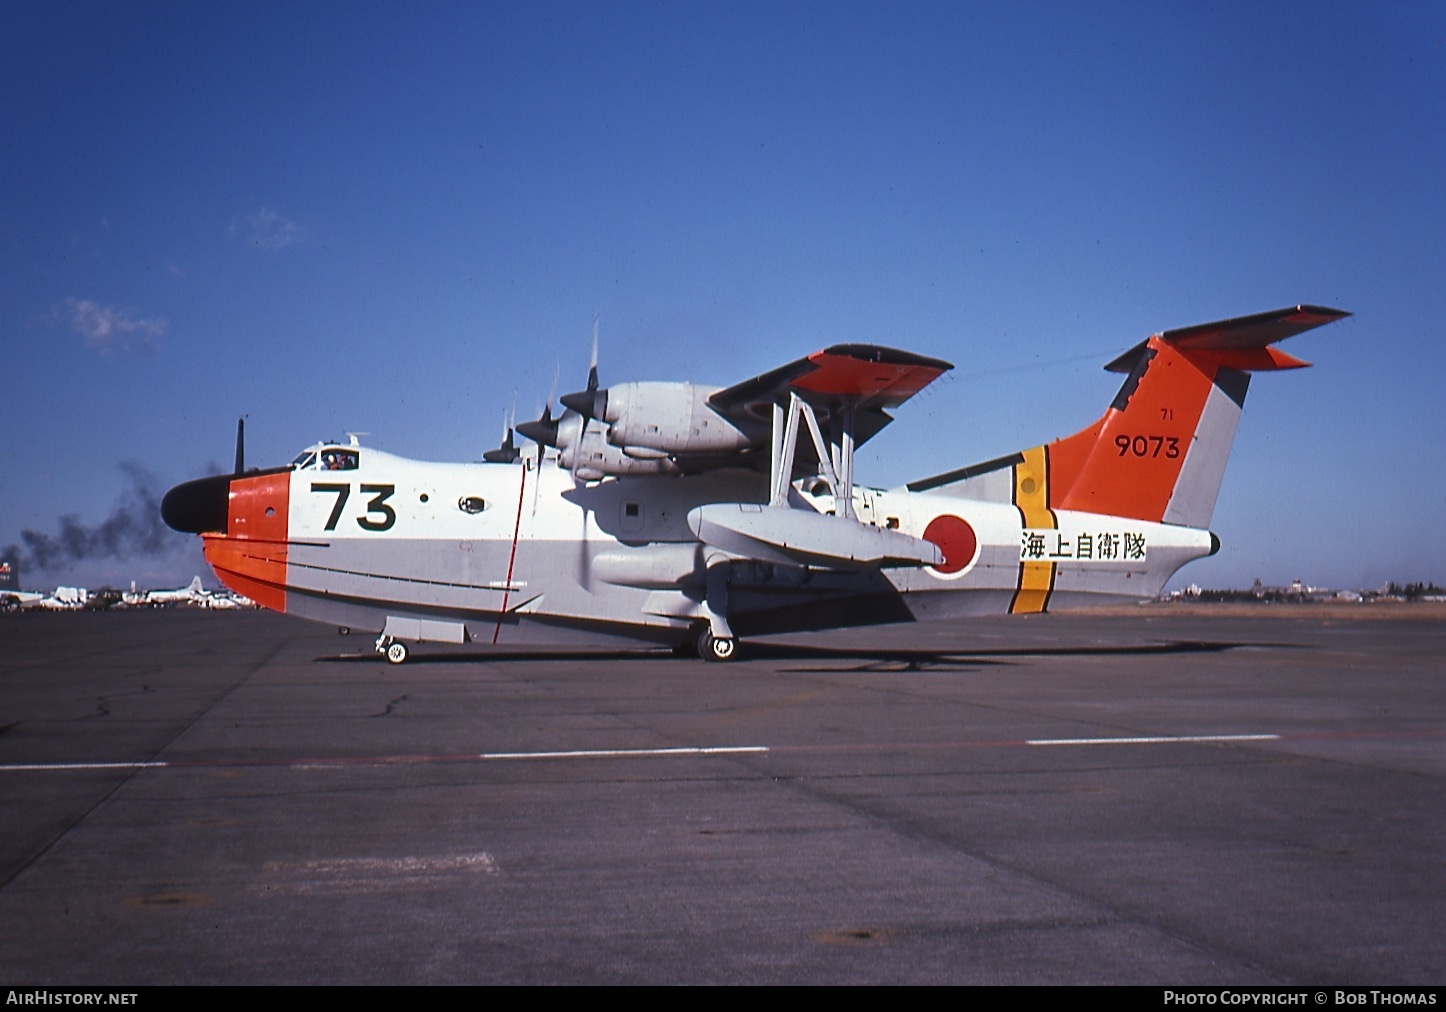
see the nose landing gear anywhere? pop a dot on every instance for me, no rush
(395, 651)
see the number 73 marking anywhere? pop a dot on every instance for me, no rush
(376, 505)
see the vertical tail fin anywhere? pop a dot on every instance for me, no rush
(1159, 452)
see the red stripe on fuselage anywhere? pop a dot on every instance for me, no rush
(512, 556)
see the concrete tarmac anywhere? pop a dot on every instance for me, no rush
(1145, 797)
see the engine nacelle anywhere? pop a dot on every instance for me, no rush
(583, 449)
(673, 418)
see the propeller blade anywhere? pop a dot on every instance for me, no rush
(592, 364)
(592, 402)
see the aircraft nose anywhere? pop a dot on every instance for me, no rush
(199, 506)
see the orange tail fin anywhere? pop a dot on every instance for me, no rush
(1159, 452)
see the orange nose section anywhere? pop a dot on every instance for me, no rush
(250, 557)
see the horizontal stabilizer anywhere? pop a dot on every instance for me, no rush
(1244, 341)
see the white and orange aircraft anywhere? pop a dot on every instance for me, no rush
(690, 515)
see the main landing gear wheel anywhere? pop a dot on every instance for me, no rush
(716, 648)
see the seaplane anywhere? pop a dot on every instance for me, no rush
(693, 516)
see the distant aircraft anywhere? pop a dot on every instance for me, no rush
(62, 599)
(12, 598)
(223, 600)
(192, 593)
(692, 515)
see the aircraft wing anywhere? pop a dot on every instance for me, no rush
(866, 377)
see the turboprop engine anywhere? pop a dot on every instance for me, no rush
(646, 428)
(674, 418)
(583, 449)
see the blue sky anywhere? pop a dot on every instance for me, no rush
(396, 218)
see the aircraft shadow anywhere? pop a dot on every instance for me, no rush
(866, 659)
(917, 660)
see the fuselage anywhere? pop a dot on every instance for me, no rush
(523, 553)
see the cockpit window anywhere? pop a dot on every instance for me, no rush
(327, 458)
(338, 460)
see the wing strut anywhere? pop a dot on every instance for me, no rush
(835, 458)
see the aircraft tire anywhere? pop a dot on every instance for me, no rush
(719, 649)
(396, 652)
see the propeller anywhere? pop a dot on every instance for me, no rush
(592, 402)
(507, 452)
(543, 432)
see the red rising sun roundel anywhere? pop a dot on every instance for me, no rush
(956, 539)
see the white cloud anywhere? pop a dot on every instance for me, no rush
(112, 330)
(265, 229)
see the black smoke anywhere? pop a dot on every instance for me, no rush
(133, 530)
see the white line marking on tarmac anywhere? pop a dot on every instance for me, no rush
(613, 753)
(372, 874)
(22, 767)
(343, 866)
(1153, 741)
(624, 753)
